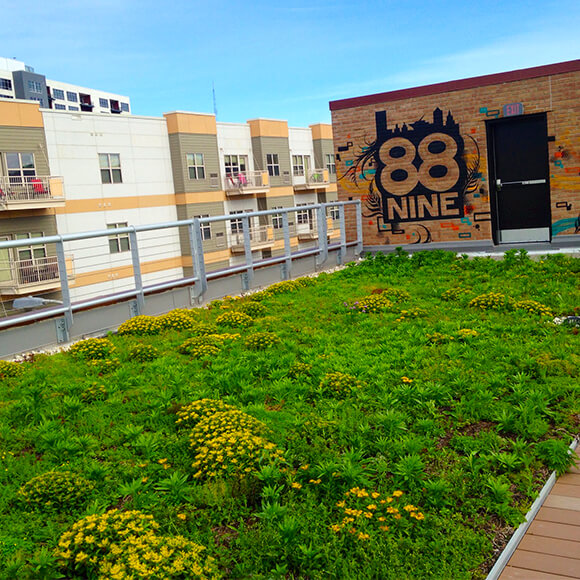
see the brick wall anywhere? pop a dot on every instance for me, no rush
(455, 205)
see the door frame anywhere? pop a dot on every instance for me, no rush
(493, 201)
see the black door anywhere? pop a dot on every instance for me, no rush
(519, 178)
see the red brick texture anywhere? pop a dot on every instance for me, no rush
(354, 127)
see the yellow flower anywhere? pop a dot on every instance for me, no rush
(384, 528)
(339, 504)
(398, 493)
(296, 485)
(410, 508)
(406, 380)
(181, 516)
(375, 494)
(372, 506)
(362, 536)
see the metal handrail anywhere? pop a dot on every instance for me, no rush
(30, 188)
(198, 282)
(242, 180)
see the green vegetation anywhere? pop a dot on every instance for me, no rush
(391, 420)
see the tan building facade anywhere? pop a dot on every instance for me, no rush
(492, 158)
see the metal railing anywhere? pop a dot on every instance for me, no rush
(18, 275)
(244, 182)
(260, 237)
(38, 190)
(312, 178)
(198, 282)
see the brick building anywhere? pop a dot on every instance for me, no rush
(491, 158)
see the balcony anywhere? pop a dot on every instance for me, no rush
(35, 192)
(312, 179)
(246, 183)
(33, 275)
(260, 237)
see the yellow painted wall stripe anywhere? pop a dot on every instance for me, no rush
(268, 128)
(20, 114)
(192, 123)
(321, 131)
(112, 203)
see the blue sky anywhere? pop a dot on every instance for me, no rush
(280, 60)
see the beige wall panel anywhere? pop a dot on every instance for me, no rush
(277, 145)
(25, 140)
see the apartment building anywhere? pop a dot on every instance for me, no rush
(20, 81)
(231, 168)
(65, 171)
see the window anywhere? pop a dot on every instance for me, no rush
(205, 228)
(71, 108)
(125, 107)
(6, 84)
(30, 252)
(297, 165)
(20, 165)
(272, 164)
(104, 103)
(334, 213)
(72, 97)
(277, 223)
(59, 107)
(39, 99)
(34, 87)
(235, 164)
(110, 164)
(118, 242)
(115, 107)
(195, 166)
(303, 216)
(330, 163)
(58, 94)
(236, 224)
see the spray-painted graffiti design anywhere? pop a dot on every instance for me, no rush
(416, 173)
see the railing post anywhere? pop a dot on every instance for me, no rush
(359, 234)
(287, 265)
(249, 273)
(63, 332)
(322, 235)
(197, 258)
(140, 298)
(342, 252)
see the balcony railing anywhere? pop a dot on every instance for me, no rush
(246, 182)
(22, 276)
(31, 192)
(260, 237)
(312, 179)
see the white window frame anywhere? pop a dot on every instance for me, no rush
(195, 168)
(59, 107)
(304, 216)
(58, 94)
(34, 252)
(72, 97)
(34, 86)
(118, 243)
(236, 225)
(330, 163)
(234, 164)
(110, 164)
(273, 164)
(298, 165)
(103, 103)
(21, 172)
(277, 222)
(334, 212)
(205, 228)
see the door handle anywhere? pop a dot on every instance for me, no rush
(499, 183)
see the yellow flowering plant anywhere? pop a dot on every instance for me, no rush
(140, 326)
(365, 513)
(190, 415)
(234, 319)
(92, 349)
(9, 369)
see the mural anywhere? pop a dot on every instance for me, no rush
(420, 172)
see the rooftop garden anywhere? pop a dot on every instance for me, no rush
(394, 419)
